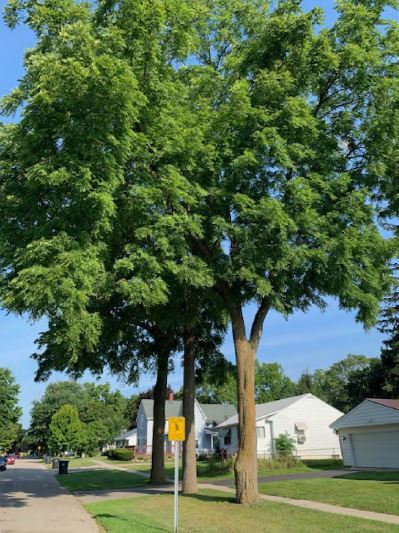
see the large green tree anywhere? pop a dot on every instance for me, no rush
(271, 383)
(346, 383)
(100, 409)
(9, 410)
(219, 384)
(284, 204)
(105, 120)
(389, 326)
(67, 432)
(217, 144)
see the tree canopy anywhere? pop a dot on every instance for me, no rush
(66, 430)
(9, 410)
(226, 146)
(103, 412)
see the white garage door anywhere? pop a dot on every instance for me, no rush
(378, 449)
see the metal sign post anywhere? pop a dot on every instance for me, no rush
(177, 434)
(176, 514)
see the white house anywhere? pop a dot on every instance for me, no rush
(206, 416)
(369, 434)
(127, 440)
(305, 418)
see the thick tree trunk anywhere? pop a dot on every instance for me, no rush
(245, 468)
(189, 459)
(158, 434)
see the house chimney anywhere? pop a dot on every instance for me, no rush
(171, 396)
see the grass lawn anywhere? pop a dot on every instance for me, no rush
(100, 480)
(208, 473)
(371, 491)
(212, 512)
(77, 462)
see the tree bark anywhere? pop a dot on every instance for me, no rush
(158, 434)
(245, 468)
(189, 458)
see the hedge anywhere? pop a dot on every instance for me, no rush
(120, 454)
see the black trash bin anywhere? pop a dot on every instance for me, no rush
(63, 467)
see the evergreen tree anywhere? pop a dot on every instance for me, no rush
(9, 410)
(389, 326)
(67, 433)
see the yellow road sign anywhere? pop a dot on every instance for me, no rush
(177, 428)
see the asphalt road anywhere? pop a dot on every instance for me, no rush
(32, 501)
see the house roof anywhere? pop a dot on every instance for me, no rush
(213, 412)
(361, 416)
(172, 408)
(218, 413)
(394, 404)
(266, 409)
(127, 435)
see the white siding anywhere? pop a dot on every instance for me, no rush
(141, 427)
(264, 445)
(355, 445)
(368, 414)
(345, 440)
(376, 449)
(199, 418)
(233, 446)
(321, 440)
(150, 429)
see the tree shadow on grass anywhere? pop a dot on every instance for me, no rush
(204, 497)
(139, 522)
(384, 477)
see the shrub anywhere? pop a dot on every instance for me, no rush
(215, 466)
(278, 463)
(285, 445)
(120, 454)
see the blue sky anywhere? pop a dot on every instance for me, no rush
(305, 341)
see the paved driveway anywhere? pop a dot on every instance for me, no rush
(32, 501)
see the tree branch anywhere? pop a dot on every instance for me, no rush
(257, 325)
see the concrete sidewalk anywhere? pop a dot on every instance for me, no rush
(97, 496)
(32, 501)
(318, 506)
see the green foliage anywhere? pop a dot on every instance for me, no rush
(135, 170)
(217, 467)
(215, 388)
(389, 326)
(9, 410)
(103, 412)
(282, 462)
(221, 386)
(67, 433)
(120, 454)
(346, 383)
(271, 383)
(285, 445)
(233, 147)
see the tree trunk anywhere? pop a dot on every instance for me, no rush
(158, 434)
(245, 468)
(189, 458)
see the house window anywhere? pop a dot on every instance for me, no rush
(260, 432)
(227, 438)
(300, 428)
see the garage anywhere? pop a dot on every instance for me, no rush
(365, 446)
(369, 434)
